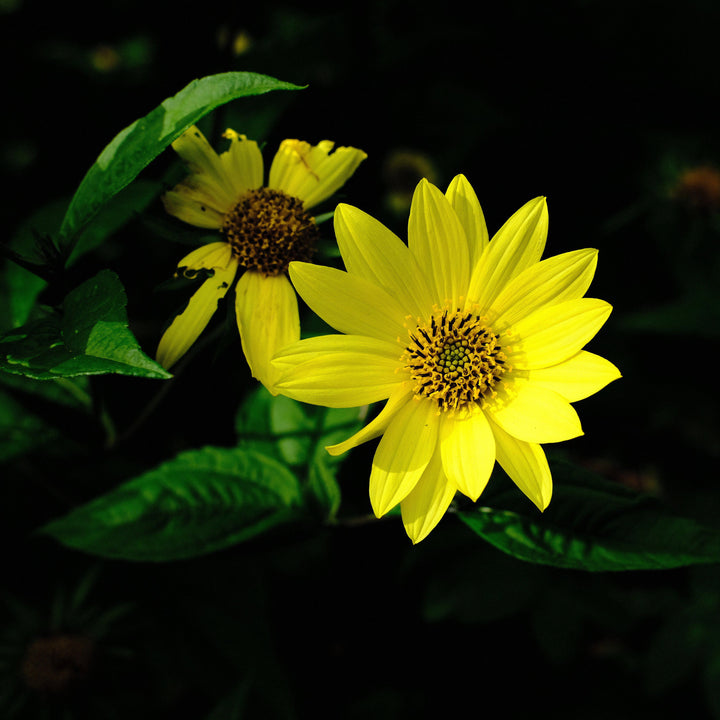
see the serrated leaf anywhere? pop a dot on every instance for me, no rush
(90, 337)
(596, 525)
(200, 502)
(137, 145)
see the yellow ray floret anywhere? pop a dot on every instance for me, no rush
(476, 344)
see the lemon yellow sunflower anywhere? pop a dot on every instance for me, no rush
(476, 344)
(262, 229)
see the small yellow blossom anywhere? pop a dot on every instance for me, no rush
(261, 229)
(476, 344)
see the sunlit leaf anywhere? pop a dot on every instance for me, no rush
(90, 337)
(137, 145)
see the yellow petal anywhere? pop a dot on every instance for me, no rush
(371, 251)
(517, 245)
(312, 173)
(464, 202)
(467, 448)
(526, 465)
(556, 279)
(376, 427)
(203, 162)
(535, 414)
(428, 501)
(267, 317)
(216, 255)
(403, 454)
(348, 303)
(338, 370)
(554, 333)
(187, 206)
(437, 240)
(187, 326)
(579, 377)
(242, 163)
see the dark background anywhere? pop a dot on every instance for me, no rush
(599, 105)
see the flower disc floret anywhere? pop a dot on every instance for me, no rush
(455, 360)
(267, 229)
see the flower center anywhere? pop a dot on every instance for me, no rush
(456, 360)
(267, 229)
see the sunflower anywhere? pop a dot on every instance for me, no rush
(262, 228)
(476, 345)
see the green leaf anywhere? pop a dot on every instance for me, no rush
(200, 502)
(292, 430)
(137, 145)
(323, 486)
(298, 434)
(90, 337)
(596, 525)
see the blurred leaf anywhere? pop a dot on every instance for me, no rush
(114, 214)
(293, 430)
(695, 314)
(90, 337)
(676, 651)
(141, 142)
(19, 290)
(232, 706)
(323, 486)
(596, 525)
(201, 501)
(298, 433)
(20, 430)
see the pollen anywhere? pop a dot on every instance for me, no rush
(267, 229)
(456, 360)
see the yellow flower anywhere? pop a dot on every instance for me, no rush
(262, 230)
(476, 344)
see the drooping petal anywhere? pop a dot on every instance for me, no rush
(556, 279)
(428, 501)
(312, 173)
(371, 251)
(517, 245)
(215, 255)
(202, 161)
(526, 465)
(403, 454)
(534, 414)
(467, 449)
(464, 202)
(349, 303)
(579, 377)
(338, 370)
(437, 240)
(243, 163)
(187, 326)
(554, 333)
(188, 206)
(267, 317)
(376, 426)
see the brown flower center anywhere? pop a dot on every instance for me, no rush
(58, 663)
(456, 360)
(268, 229)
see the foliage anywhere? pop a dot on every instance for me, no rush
(191, 527)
